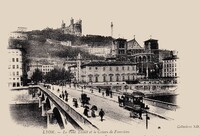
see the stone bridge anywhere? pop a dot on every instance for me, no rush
(59, 112)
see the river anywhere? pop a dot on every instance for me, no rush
(28, 115)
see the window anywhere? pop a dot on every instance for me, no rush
(13, 66)
(104, 68)
(117, 68)
(13, 59)
(104, 78)
(13, 73)
(90, 68)
(96, 68)
(17, 60)
(96, 79)
(90, 78)
(17, 66)
(111, 78)
(123, 68)
(128, 77)
(123, 78)
(121, 45)
(117, 78)
(17, 73)
(133, 68)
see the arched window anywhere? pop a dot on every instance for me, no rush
(144, 59)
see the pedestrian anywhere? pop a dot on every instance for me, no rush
(65, 91)
(103, 94)
(63, 96)
(99, 90)
(110, 94)
(85, 112)
(93, 113)
(101, 114)
(140, 114)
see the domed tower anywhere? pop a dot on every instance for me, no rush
(63, 25)
(78, 28)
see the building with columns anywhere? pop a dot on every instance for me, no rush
(108, 72)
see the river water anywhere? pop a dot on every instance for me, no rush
(167, 98)
(28, 115)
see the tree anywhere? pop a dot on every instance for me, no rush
(60, 76)
(37, 76)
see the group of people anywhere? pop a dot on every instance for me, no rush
(64, 95)
(101, 113)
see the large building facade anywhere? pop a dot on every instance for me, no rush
(170, 67)
(14, 68)
(108, 72)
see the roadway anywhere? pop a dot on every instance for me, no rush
(115, 115)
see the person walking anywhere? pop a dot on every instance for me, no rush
(101, 114)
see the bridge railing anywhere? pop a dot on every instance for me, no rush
(77, 117)
(165, 105)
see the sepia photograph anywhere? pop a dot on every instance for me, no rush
(105, 68)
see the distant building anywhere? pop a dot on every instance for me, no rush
(15, 68)
(119, 48)
(73, 28)
(19, 34)
(133, 47)
(152, 46)
(170, 65)
(44, 68)
(101, 72)
(99, 51)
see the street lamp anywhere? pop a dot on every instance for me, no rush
(147, 117)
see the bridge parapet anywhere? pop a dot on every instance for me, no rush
(66, 110)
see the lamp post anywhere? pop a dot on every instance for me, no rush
(147, 117)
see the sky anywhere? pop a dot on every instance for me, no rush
(165, 21)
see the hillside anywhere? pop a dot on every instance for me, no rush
(57, 34)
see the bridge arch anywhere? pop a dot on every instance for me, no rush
(57, 118)
(48, 104)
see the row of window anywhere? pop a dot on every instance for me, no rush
(170, 74)
(116, 68)
(14, 73)
(174, 60)
(15, 59)
(14, 78)
(110, 79)
(13, 67)
(16, 84)
(47, 66)
(47, 70)
(170, 65)
(169, 69)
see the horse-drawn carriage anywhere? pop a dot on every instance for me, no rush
(85, 99)
(133, 102)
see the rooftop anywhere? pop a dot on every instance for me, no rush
(108, 63)
(171, 58)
